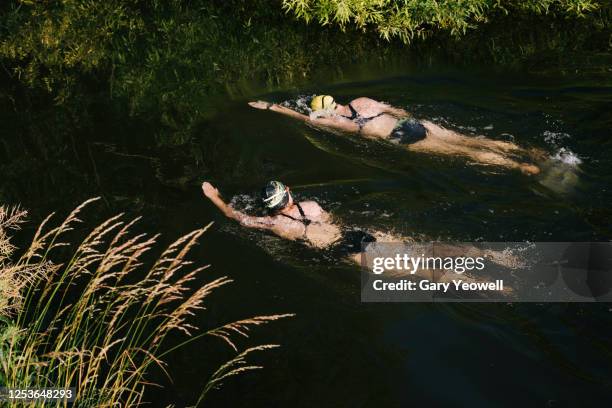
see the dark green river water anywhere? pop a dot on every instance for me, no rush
(338, 351)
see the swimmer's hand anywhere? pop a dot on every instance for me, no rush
(260, 104)
(209, 190)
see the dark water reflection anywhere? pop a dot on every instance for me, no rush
(337, 351)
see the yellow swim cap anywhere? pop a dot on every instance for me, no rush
(322, 102)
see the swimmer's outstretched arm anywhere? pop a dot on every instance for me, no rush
(339, 123)
(245, 220)
(279, 109)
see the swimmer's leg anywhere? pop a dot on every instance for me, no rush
(493, 145)
(483, 156)
(501, 153)
(482, 150)
(499, 160)
(437, 133)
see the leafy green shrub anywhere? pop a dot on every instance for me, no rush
(409, 19)
(162, 59)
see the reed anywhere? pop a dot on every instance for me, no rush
(98, 320)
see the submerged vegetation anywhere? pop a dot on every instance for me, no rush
(98, 320)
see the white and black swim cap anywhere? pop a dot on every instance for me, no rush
(275, 195)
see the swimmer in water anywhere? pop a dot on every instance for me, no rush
(373, 119)
(303, 221)
(308, 223)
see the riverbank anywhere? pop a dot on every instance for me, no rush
(169, 59)
(72, 70)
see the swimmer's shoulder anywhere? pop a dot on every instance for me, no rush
(363, 102)
(312, 208)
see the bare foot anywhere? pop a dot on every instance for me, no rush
(529, 169)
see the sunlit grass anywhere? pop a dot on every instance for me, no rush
(98, 320)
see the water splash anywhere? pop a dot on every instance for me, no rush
(245, 203)
(561, 153)
(300, 104)
(560, 173)
(555, 138)
(566, 156)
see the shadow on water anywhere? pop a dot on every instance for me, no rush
(337, 351)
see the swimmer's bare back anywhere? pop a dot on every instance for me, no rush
(379, 120)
